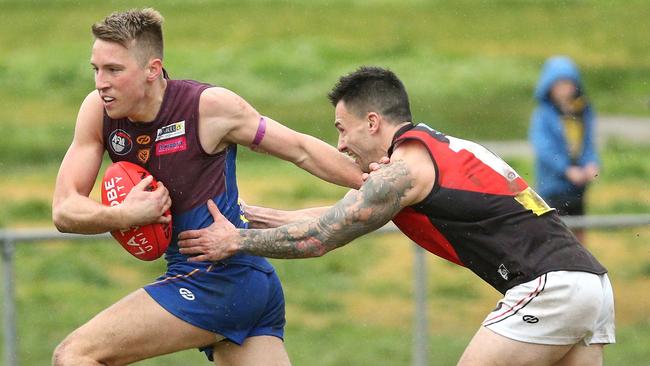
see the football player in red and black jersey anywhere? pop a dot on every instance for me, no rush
(459, 201)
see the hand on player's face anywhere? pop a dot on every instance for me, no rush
(213, 243)
(375, 166)
(143, 206)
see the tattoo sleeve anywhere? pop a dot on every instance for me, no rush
(358, 213)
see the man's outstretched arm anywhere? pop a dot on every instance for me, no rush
(265, 217)
(226, 118)
(383, 195)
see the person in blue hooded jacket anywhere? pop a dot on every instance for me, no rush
(562, 135)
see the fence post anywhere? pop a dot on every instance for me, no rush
(9, 305)
(420, 334)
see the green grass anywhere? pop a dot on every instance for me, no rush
(632, 348)
(466, 75)
(470, 68)
(336, 315)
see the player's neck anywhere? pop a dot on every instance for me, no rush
(151, 103)
(389, 135)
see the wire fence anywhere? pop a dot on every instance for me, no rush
(10, 238)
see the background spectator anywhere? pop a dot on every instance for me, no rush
(562, 135)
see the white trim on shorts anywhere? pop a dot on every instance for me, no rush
(557, 308)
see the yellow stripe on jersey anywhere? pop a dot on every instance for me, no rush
(532, 201)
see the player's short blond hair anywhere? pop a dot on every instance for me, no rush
(140, 29)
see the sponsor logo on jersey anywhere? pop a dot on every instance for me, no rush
(120, 142)
(171, 146)
(186, 294)
(143, 155)
(143, 139)
(169, 131)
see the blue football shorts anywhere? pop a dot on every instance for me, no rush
(236, 301)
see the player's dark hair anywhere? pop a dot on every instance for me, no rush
(373, 89)
(144, 26)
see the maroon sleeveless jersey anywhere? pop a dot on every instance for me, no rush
(169, 146)
(482, 215)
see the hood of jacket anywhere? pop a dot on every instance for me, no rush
(554, 69)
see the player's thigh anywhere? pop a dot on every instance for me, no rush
(258, 350)
(583, 355)
(491, 349)
(132, 329)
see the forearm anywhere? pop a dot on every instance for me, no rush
(329, 164)
(82, 215)
(358, 213)
(298, 240)
(311, 238)
(264, 217)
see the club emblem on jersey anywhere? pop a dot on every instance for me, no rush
(169, 131)
(120, 142)
(143, 155)
(143, 139)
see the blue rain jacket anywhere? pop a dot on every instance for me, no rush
(547, 136)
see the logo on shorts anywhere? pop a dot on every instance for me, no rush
(120, 142)
(186, 294)
(503, 271)
(530, 319)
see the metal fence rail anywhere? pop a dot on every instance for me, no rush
(10, 238)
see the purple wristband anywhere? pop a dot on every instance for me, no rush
(259, 135)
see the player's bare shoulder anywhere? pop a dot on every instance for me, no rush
(92, 105)
(218, 102)
(420, 167)
(90, 118)
(221, 111)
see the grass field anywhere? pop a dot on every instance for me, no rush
(351, 307)
(470, 68)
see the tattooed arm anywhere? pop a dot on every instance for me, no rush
(358, 213)
(265, 217)
(382, 196)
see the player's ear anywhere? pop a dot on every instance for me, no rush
(373, 119)
(154, 69)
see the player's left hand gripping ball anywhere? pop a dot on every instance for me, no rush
(147, 242)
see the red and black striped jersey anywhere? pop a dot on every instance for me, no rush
(482, 215)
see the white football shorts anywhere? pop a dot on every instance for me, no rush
(557, 308)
